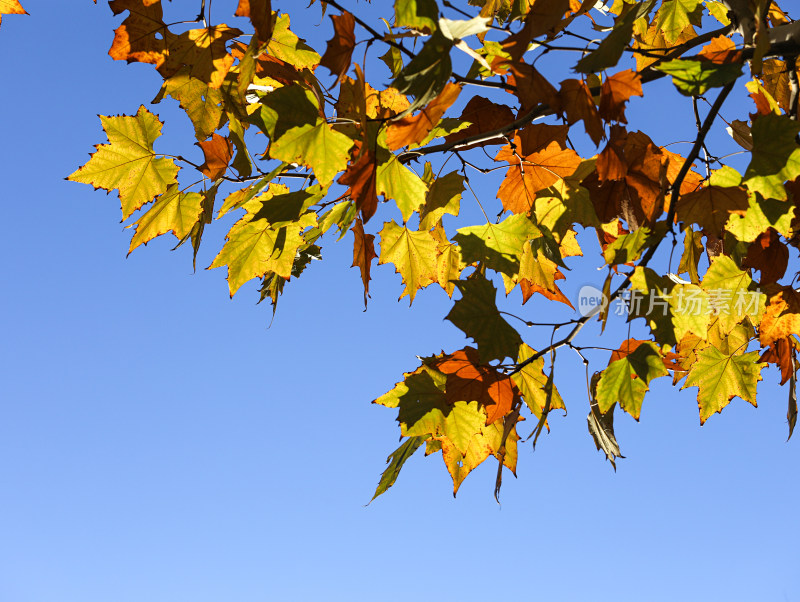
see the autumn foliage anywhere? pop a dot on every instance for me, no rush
(305, 147)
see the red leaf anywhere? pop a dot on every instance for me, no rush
(361, 179)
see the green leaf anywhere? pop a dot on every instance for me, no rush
(720, 377)
(286, 46)
(776, 157)
(202, 103)
(444, 197)
(422, 15)
(317, 146)
(395, 461)
(413, 254)
(498, 246)
(286, 108)
(628, 247)
(396, 181)
(532, 383)
(696, 77)
(477, 315)
(128, 162)
(626, 380)
(675, 15)
(254, 248)
(610, 49)
(725, 177)
(173, 211)
(730, 295)
(427, 73)
(761, 215)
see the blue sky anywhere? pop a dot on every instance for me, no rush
(161, 442)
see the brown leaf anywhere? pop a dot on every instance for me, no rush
(340, 47)
(135, 39)
(363, 254)
(768, 255)
(538, 160)
(577, 103)
(485, 116)
(781, 353)
(218, 152)
(361, 179)
(532, 88)
(711, 207)
(616, 91)
(413, 129)
(260, 13)
(775, 74)
(611, 163)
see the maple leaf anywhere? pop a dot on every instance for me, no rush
(142, 35)
(615, 92)
(202, 103)
(627, 377)
(340, 47)
(721, 50)
(781, 317)
(695, 77)
(202, 51)
(776, 157)
(443, 197)
(533, 384)
(477, 315)
(128, 163)
(11, 7)
(720, 377)
(413, 254)
(732, 288)
(675, 15)
(538, 159)
(610, 49)
(363, 254)
(172, 211)
(395, 461)
(711, 207)
(421, 15)
(218, 153)
(396, 181)
(287, 47)
(483, 116)
(317, 146)
(260, 14)
(577, 103)
(499, 246)
(360, 177)
(413, 129)
(768, 255)
(781, 353)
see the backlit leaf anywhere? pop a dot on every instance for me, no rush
(413, 254)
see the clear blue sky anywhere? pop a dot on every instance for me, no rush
(159, 442)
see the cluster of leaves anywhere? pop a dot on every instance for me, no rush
(336, 152)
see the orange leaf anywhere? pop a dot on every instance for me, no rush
(501, 392)
(781, 317)
(768, 255)
(218, 152)
(260, 13)
(577, 103)
(11, 7)
(413, 129)
(135, 39)
(611, 161)
(630, 345)
(340, 47)
(361, 179)
(538, 160)
(363, 254)
(485, 116)
(720, 50)
(616, 91)
(532, 88)
(528, 288)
